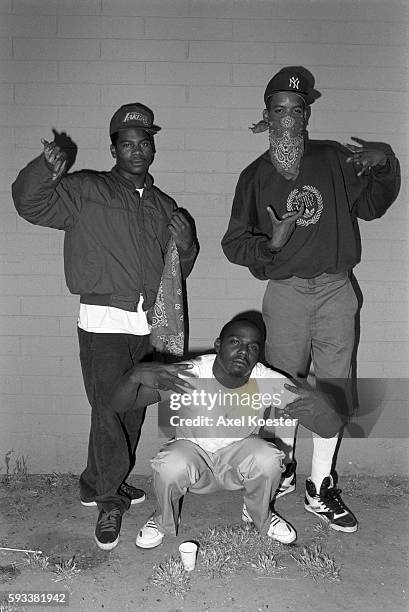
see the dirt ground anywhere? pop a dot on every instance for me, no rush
(43, 512)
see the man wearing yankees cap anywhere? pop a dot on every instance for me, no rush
(294, 223)
(118, 227)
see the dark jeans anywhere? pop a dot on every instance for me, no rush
(113, 436)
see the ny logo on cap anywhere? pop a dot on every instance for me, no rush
(294, 82)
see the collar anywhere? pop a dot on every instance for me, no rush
(121, 179)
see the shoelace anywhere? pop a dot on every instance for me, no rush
(333, 500)
(109, 520)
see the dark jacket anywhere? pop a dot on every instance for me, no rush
(326, 238)
(115, 241)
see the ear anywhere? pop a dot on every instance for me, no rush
(265, 115)
(113, 151)
(217, 345)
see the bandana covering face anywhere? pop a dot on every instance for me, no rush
(287, 135)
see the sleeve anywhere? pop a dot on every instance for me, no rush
(375, 192)
(243, 243)
(43, 201)
(188, 258)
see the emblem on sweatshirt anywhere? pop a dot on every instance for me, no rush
(312, 200)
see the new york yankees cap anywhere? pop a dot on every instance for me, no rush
(297, 79)
(133, 115)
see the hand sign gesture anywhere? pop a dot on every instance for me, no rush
(365, 156)
(55, 159)
(282, 228)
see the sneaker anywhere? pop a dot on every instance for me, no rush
(329, 506)
(108, 528)
(288, 480)
(279, 529)
(137, 495)
(149, 536)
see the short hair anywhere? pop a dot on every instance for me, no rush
(243, 320)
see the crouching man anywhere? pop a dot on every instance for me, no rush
(223, 450)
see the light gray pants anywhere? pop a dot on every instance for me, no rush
(252, 464)
(310, 317)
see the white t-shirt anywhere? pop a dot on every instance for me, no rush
(258, 383)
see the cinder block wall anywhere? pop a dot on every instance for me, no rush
(202, 65)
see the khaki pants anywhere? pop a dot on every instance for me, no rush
(252, 464)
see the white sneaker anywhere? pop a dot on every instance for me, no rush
(149, 536)
(279, 529)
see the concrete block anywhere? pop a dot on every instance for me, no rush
(218, 140)
(56, 94)
(18, 115)
(52, 385)
(191, 161)
(37, 26)
(184, 28)
(56, 48)
(150, 8)
(202, 205)
(48, 304)
(28, 326)
(152, 95)
(53, 346)
(16, 244)
(199, 287)
(239, 9)
(102, 72)
(30, 285)
(226, 97)
(220, 183)
(317, 54)
(9, 305)
(188, 73)
(360, 33)
(6, 49)
(143, 50)
(10, 345)
(101, 26)
(20, 71)
(6, 92)
(57, 7)
(8, 223)
(277, 30)
(383, 55)
(217, 51)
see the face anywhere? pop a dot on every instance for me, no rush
(133, 152)
(238, 351)
(286, 110)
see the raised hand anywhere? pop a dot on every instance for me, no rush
(365, 156)
(282, 228)
(55, 159)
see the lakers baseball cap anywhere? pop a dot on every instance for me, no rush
(296, 79)
(133, 115)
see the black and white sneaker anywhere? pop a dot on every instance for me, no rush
(288, 480)
(108, 528)
(136, 495)
(329, 506)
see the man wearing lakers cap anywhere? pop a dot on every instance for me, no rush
(117, 227)
(294, 223)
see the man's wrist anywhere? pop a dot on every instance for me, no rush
(273, 248)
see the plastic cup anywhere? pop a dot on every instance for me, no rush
(188, 552)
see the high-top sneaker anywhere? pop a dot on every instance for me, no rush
(329, 506)
(288, 480)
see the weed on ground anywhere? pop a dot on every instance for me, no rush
(317, 564)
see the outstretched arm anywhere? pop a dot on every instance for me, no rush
(141, 384)
(42, 195)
